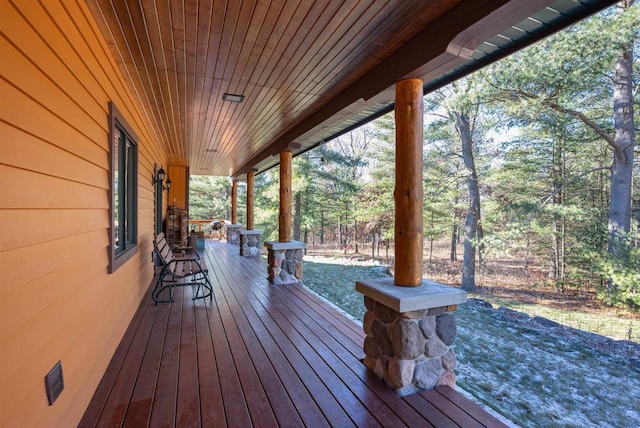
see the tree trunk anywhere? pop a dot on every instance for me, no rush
(454, 234)
(471, 225)
(622, 168)
(373, 245)
(297, 219)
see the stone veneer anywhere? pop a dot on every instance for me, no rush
(250, 242)
(284, 261)
(233, 233)
(410, 331)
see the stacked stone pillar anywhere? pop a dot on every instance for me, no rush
(233, 233)
(233, 230)
(409, 323)
(409, 333)
(250, 237)
(284, 256)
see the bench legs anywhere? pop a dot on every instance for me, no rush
(201, 279)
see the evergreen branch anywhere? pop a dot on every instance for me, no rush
(591, 124)
(567, 184)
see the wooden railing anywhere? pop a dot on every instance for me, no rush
(204, 226)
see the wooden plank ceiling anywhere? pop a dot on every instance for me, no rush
(307, 69)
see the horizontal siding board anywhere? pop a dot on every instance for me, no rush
(35, 154)
(26, 189)
(75, 106)
(28, 227)
(50, 255)
(57, 301)
(28, 115)
(55, 285)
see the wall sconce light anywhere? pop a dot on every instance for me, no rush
(159, 178)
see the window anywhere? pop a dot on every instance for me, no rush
(124, 190)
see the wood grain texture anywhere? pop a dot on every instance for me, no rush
(251, 186)
(408, 194)
(57, 300)
(285, 227)
(287, 57)
(258, 355)
(234, 202)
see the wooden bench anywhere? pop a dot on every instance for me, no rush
(187, 269)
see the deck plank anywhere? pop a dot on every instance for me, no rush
(188, 398)
(96, 407)
(139, 411)
(301, 340)
(163, 411)
(211, 405)
(471, 408)
(256, 355)
(289, 363)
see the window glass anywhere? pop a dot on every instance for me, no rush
(124, 190)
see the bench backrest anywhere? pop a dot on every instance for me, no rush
(162, 249)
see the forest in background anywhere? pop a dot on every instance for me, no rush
(532, 159)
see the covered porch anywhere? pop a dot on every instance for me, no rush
(256, 355)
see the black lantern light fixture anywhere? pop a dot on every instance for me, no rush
(159, 178)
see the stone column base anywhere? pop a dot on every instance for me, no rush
(410, 331)
(233, 233)
(284, 261)
(250, 242)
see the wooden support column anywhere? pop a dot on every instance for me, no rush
(285, 231)
(250, 198)
(408, 193)
(234, 202)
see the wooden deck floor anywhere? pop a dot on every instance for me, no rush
(257, 355)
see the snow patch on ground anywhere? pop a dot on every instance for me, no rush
(535, 373)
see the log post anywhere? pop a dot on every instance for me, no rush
(234, 202)
(408, 192)
(285, 231)
(250, 198)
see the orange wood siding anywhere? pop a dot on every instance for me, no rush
(179, 186)
(57, 301)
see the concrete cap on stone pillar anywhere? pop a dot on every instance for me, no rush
(404, 299)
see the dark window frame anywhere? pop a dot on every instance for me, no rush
(123, 156)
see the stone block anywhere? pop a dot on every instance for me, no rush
(382, 337)
(447, 379)
(407, 340)
(381, 368)
(371, 348)
(367, 323)
(369, 363)
(368, 303)
(384, 313)
(298, 255)
(427, 373)
(428, 326)
(289, 266)
(422, 313)
(436, 311)
(446, 328)
(449, 360)
(400, 372)
(435, 348)
(298, 270)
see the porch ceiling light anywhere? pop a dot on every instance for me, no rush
(234, 98)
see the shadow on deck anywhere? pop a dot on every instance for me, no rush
(257, 355)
